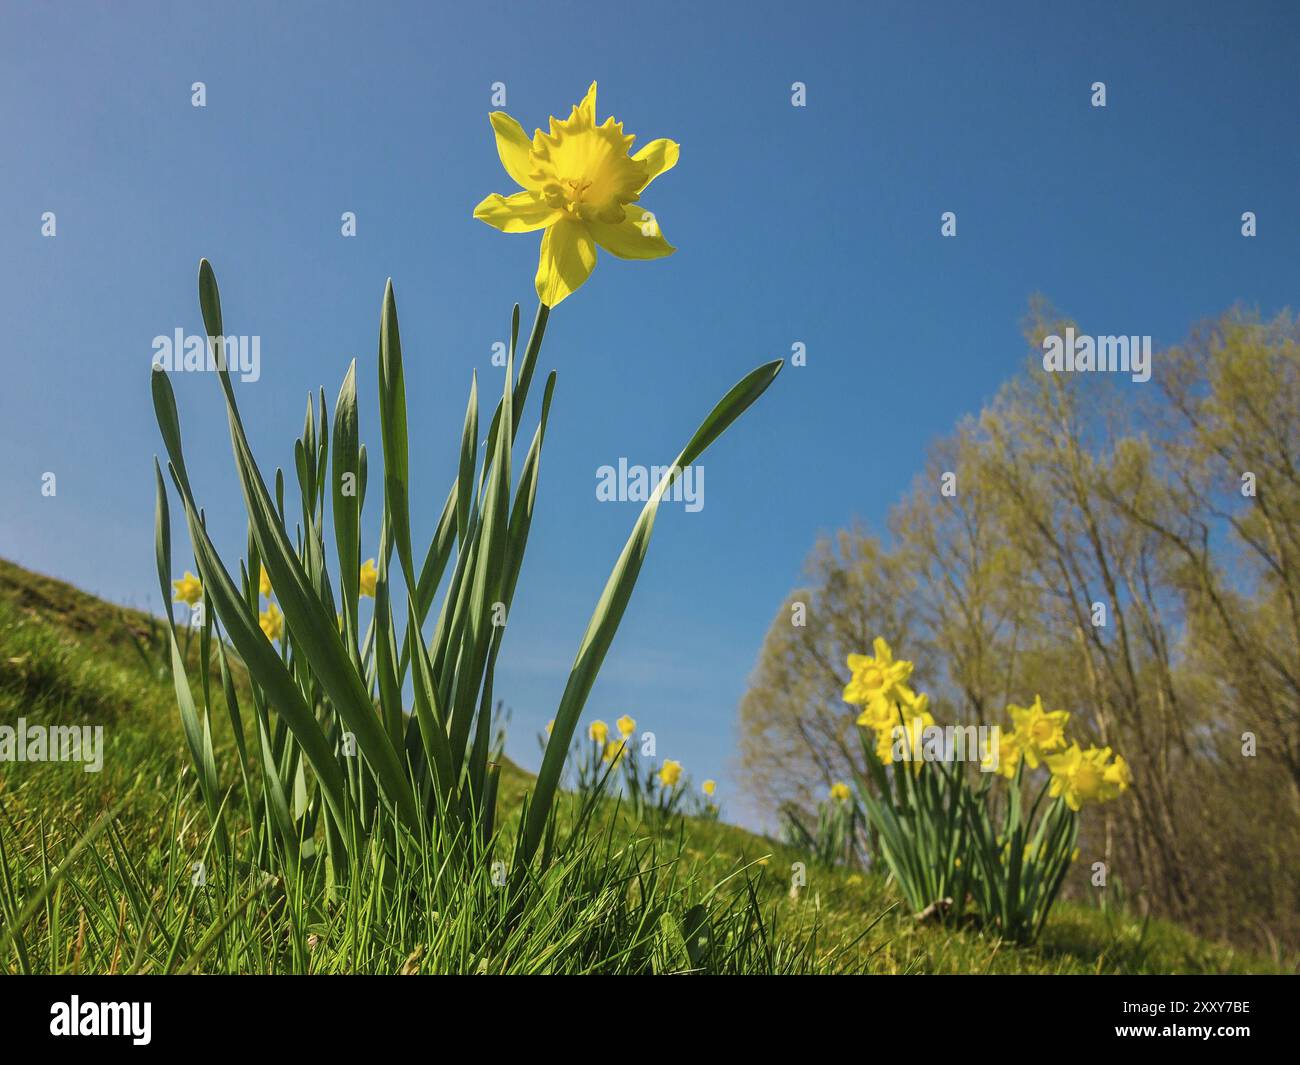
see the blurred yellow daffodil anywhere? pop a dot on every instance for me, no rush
(264, 583)
(1009, 752)
(369, 577)
(1080, 776)
(1040, 731)
(709, 787)
(626, 726)
(188, 589)
(840, 791)
(598, 731)
(1118, 775)
(583, 189)
(670, 772)
(271, 621)
(903, 738)
(877, 682)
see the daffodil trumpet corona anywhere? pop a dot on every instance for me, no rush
(581, 186)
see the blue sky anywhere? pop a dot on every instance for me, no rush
(817, 225)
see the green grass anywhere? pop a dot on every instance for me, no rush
(97, 869)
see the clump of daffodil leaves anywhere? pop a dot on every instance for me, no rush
(339, 771)
(582, 188)
(947, 840)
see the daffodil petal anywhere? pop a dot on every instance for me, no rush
(568, 257)
(587, 109)
(521, 213)
(657, 157)
(638, 236)
(513, 146)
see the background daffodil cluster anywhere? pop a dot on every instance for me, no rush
(612, 750)
(189, 590)
(1078, 775)
(879, 687)
(654, 794)
(947, 842)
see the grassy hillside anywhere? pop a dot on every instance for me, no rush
(124, 900)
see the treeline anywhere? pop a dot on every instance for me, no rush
(1129, 551)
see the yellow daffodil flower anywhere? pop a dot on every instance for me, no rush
(670, 772)
(583, 189)
(881, 714)
(1041, 731)
(1118, 775)
(188, 589)
(914, 719)
(1079, 775)
(369, 577)
(615, 751)
(1009, 752)
(840, 791)
(264, 583)
(626, 726)
(271, 621)
(877, 683)
(709, 787)
(598, 732)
